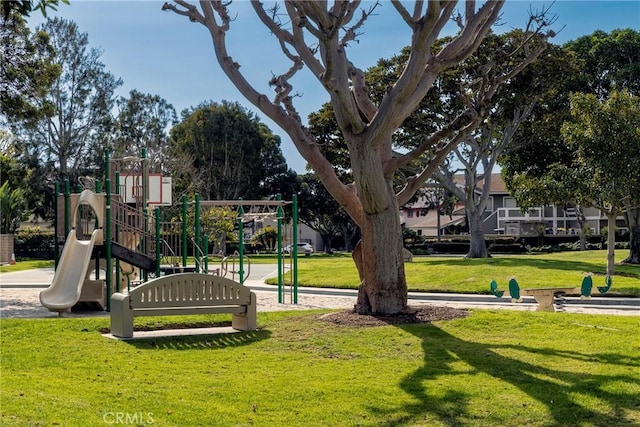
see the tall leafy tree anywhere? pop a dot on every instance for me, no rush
(611, 61)
(603, 134)
(594, 64)
(27, 71)
(495, 95)
(316, 35)
(514, 103)
(224, 152)
(71, 138)
(12, 208)
(143, 121)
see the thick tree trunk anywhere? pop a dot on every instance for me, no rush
(326, 240)
(633, 219)
(378, 257)
(477, 245)
(582, 221)
(347, 236)
(611, 242)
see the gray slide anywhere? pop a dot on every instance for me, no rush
(66, 287)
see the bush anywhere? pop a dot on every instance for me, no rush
(34, 243)
(564, 247)
(421, 251)
(450, 247)
(512, 248)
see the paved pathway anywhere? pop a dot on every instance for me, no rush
(19, 297)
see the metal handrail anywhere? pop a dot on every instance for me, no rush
(234, 256)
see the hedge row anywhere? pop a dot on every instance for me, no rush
(34, 243)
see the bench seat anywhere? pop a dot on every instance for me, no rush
(184, 294)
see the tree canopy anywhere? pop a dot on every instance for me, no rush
(70, 138)
(27, 71)
(223, 152)
(543, 168)
(25, 7)
(602, 135)
(143, 121)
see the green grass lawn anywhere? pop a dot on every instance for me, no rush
(25, 265)
(457, 274)
(494, 368)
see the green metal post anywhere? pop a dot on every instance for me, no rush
(241, 243)
(184, 230)
(107, 189)
(67, 208)
(205, 250)
(294, 219)
(280, 215)
(107, 160)
(109, 270)
(97, 267)
(197, 225)
(56, 243)
(145, 210)
(158, 241)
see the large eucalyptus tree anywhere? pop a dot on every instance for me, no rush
(71, 135)
(316, 36)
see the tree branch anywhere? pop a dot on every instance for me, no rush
(463, 120)
(351, 32)
(361, 93)
(190, 11)
(414, 183)
(404, 13)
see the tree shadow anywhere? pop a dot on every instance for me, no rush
(533, 262)
(556, 389)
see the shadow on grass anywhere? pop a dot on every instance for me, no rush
(558, 390)
(201, 342)
(534, 262)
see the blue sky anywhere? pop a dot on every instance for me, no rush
(164, 54)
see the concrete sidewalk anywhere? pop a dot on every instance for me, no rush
(19, 297)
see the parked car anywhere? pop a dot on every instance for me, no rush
(303, 247)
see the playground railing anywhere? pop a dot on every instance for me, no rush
(133, 228)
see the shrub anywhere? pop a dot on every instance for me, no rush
(512, 248)
(34, 243)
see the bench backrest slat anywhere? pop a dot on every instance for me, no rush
(189, 290)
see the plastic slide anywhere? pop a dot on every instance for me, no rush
(66, 287)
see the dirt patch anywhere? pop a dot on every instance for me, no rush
(426, 314)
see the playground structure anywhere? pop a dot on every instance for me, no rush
(113, 240)
(550, 298)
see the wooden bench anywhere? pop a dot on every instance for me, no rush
(182, 294)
